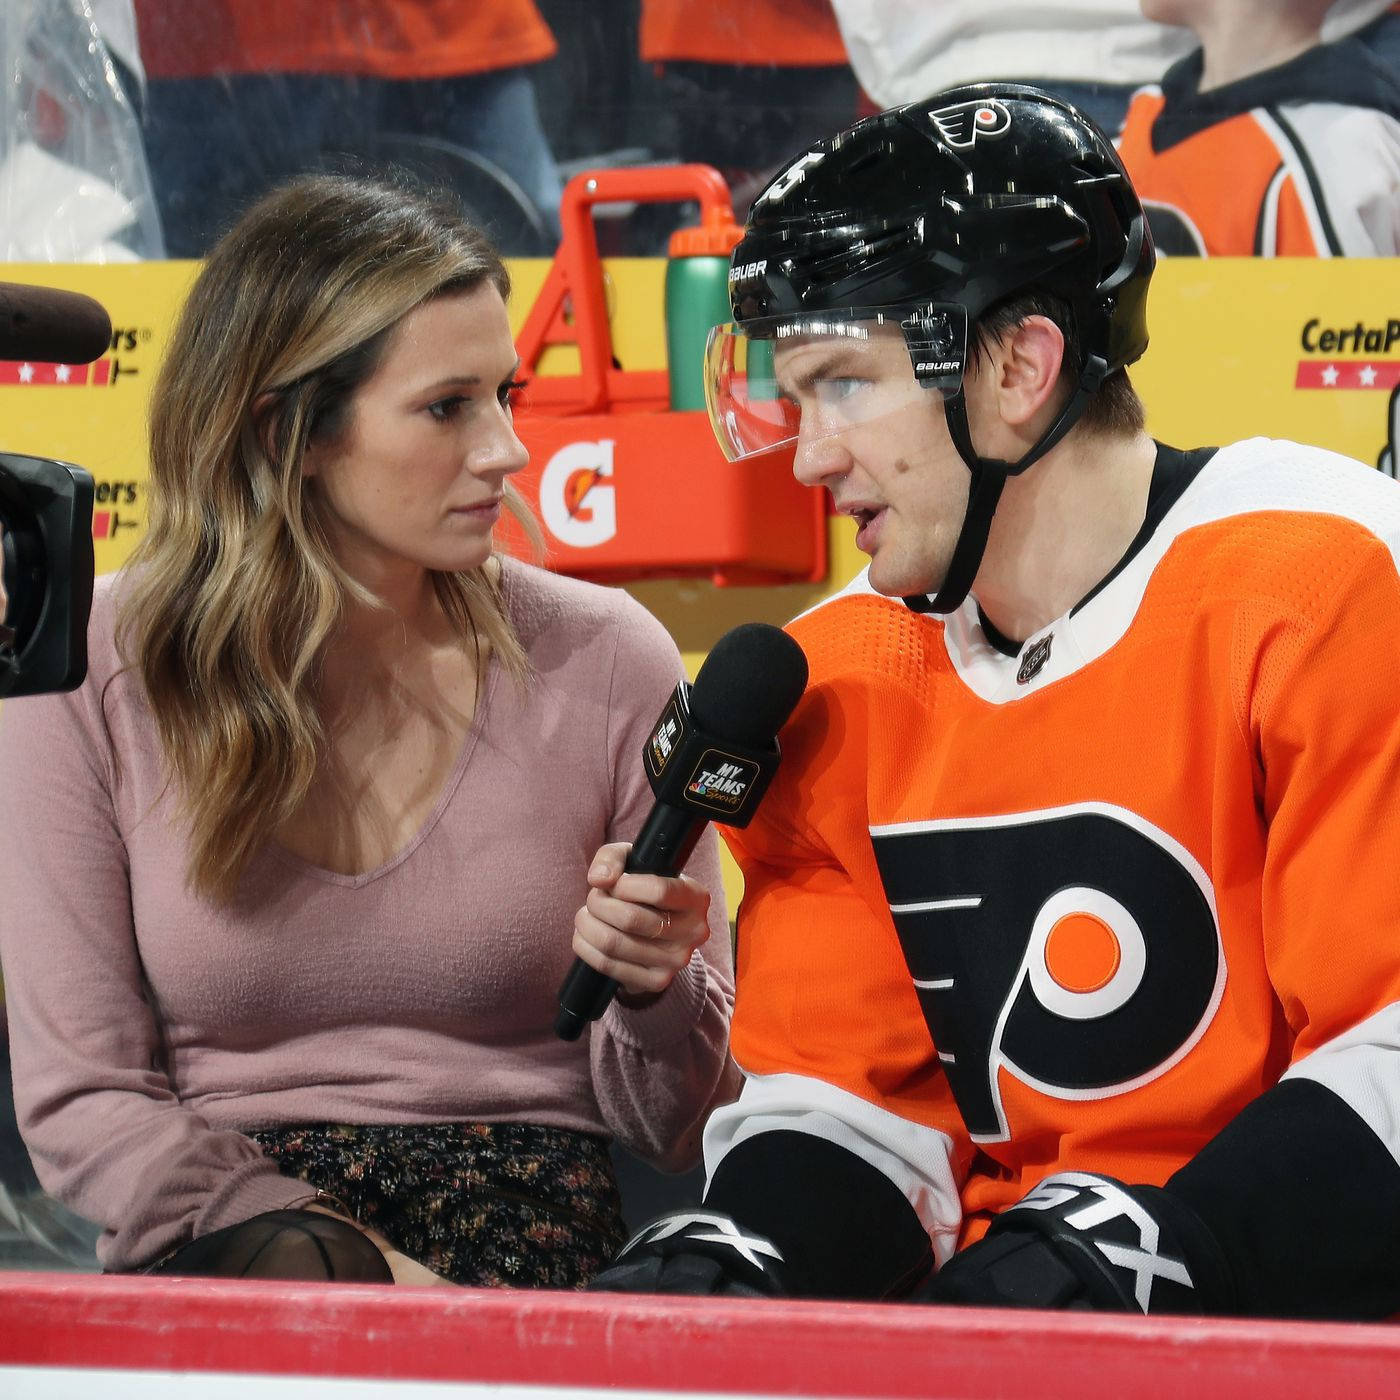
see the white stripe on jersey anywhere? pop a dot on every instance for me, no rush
(1268, 240)
(918, 1160)
(1359, 1067)
(1302, 186)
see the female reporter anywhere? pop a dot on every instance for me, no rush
(292, 880)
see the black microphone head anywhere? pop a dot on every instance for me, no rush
(749, 684)
(40, 323)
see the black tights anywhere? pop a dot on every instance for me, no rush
(282, 1244)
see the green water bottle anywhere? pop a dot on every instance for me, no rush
(697, 298)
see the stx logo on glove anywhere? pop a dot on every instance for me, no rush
(1091, 1204)
(704, 1227)
(1075, 949)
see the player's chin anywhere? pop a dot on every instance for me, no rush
(896, 579)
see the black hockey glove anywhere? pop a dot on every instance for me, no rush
(1088, 1242)
(695, 1251)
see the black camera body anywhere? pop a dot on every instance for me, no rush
(46, 516)
(46, 507)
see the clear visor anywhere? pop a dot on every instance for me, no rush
(822, 375)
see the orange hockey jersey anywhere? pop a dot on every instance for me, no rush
(1075, 908)
(1302, 160)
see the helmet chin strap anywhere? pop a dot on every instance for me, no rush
(989, 476)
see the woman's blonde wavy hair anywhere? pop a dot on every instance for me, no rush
(234, 591)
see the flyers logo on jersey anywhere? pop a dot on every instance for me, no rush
(967, 123)
(1076, 950)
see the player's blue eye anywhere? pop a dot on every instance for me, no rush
(830, 392)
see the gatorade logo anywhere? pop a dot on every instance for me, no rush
(577, 497)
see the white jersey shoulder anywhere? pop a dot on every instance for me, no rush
(1274, 474)
(1259, 474)
(1344, 163)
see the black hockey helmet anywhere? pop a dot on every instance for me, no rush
(926, 217)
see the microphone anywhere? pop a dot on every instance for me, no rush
(40, 323)
(710, 757)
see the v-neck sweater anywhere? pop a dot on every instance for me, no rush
(151, 1029)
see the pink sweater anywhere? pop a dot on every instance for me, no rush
(150, 1030)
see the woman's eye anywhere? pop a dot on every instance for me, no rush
(443, 409)
(510, 392)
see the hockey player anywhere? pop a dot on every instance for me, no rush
(1069, 957)
(1265, 141)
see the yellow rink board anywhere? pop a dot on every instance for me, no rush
(1231, 342)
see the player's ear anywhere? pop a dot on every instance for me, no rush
(1027, 362)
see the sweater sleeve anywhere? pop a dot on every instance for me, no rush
(659, 1069)
(98, 1114)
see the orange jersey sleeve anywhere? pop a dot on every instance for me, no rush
(784, 33)
(378, 38)
(1322, 714)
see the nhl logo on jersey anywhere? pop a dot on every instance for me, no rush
(1033, 662)
(967, 123)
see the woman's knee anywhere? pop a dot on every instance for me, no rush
(283, 1244)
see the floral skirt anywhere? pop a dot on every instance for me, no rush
(487, 1204)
